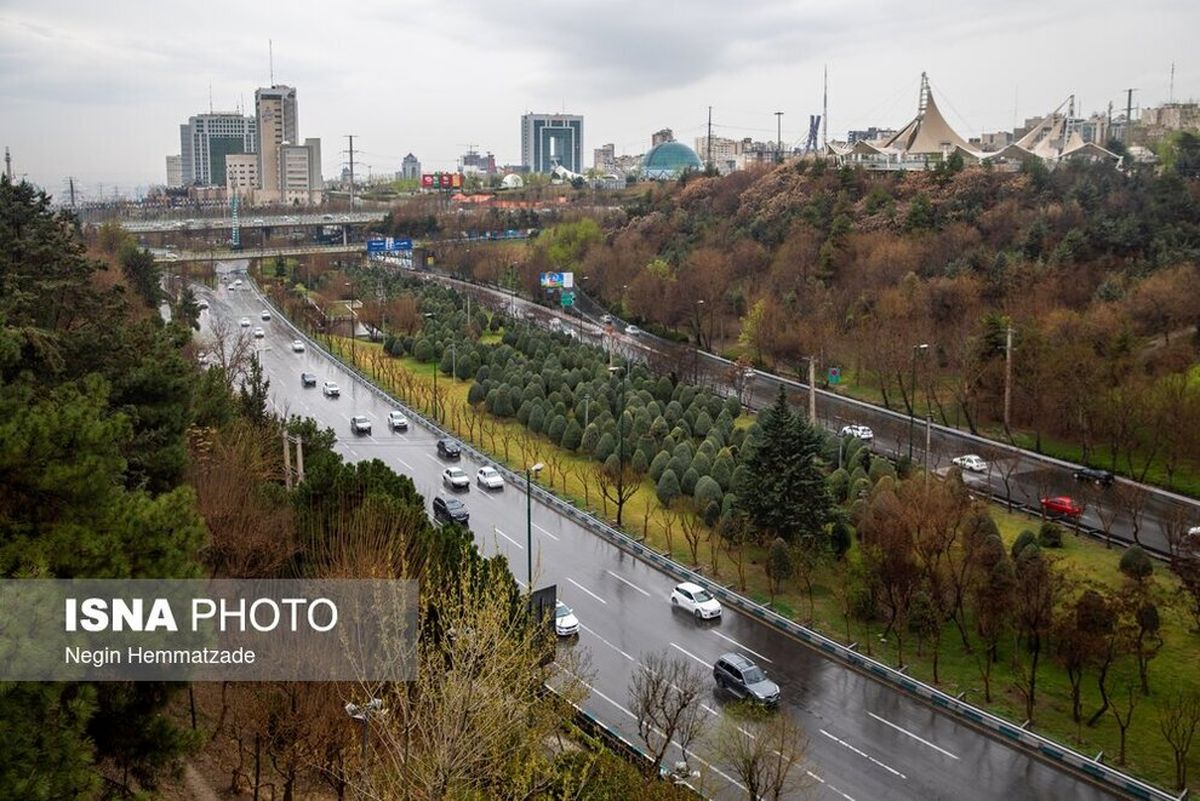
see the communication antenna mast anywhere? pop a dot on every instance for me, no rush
(778, 136)
(814, 124)
(71, 190)
(1129, 115)
(923, 101)
(708, 158)
(271, 59)
(1172, 93)
(8, 163)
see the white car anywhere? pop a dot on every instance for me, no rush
(244, 322)
(565, 622)
(489, 478)
(455, 478)
(330, 389)
(259, 333)
(632, 330)
(236, 283)
(861, 432)
(970, 462)
(397, 421)
(297, 346)
(695, 599)
(266, 315)
(360, 424)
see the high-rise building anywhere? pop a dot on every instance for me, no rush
(300, 172)
(278, 123)
(410, 168)
(660, 136)
(602, 158)
(548, 140)
(241, 175)
(206, 139)
(174, 171)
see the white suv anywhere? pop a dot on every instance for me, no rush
(397, 421)
(861, 432)
(330, 390)
(693, 598)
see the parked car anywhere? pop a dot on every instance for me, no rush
(266, 314)
(1095, 475)
(330, 389)
(861, 432)
(202, 305)
(308, 380)
(397, 421)
(360, 424)
(632, 330)
(244, 322)
(744, 680)
(606, 318)
(259, 333)
(297, 346)
(450, 510)
(971, 463)
(489, 478)
(448, 448)
(565, 622)
(1062, 505)
(695, 599)
(456, 479)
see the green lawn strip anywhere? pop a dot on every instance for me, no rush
(1084, 559)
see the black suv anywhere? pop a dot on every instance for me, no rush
(308, 379)
(448, 448)
(450, 510)
(1094, 474)
(741, 678)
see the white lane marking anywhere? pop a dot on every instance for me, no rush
(589, 592)
(863, 754)
(547, 533)
(748, 734)
(406, 464)
(908, 733)
(830, 786)
(710, 710)
(438, 462)
(689, 653)
(510, 539)
(739, 645)
(353, 452)
(606, 642)
(628, 582)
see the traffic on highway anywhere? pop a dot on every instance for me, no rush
(866, 740)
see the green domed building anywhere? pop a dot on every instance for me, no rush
(667, 160)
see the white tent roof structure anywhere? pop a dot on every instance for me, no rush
(928, 133)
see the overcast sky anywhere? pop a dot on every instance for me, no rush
(98, 90)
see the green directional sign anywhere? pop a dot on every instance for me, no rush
(568, 298)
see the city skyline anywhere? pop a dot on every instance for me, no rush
(446, 80)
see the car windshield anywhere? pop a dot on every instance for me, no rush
(562, 610)
(453, 503)
(753, 675)
(702, 596)
(455, 472)
(487, 472)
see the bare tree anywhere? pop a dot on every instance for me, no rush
(618, 484)
(766, 753)
(1178, 719)
(1123, 714)
(692, 527)
(231, 350)
(665, 695)
(1134, 498)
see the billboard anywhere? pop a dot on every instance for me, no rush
(441, 180)
(557, 280)
(388, 244)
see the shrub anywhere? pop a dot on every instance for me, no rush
(1024, 539)
(688, 483)
(667, 488)
(658, 465)
(707, 491)
(537, 418)
(556, 428)
(605, 447)
(476, 394)
(839, 484)
(423, 351)
(702, 464)
(639, 462)
(572, 436)
(880, 467)
(1050, 535)
(1136, 563)
(591, 437)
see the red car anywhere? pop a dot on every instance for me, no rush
(1062, 505)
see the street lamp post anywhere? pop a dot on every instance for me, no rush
(434, 404)
(529, 473)
(363, 713)
(912, 404)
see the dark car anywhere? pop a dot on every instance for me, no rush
(1095, 475)
(448, 448)
(308, 379)
(450, 510)
(741, 678)
(1062, 505)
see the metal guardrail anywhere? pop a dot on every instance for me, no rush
(1004, 730)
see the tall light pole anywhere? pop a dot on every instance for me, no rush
(778, 136)
(363, 713)
(912, 405)
(429, 316)
(529, 473)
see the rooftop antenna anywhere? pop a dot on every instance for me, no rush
(1172, 94)
(271, 59)
(8, 163)
(825, 111)
(210, 105)
(708, 142)
(923, 101)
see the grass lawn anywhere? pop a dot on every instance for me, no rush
(1086, 561)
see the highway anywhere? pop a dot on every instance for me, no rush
(866, 741)
(251, 219)
(1018, 475)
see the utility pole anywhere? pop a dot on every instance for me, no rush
(288, 441)
(351, 138)
(778, 136)
(708, 157)
(8, 163)
(812, 391)
(1171, 95)
(1129, 116)
(825, 111)
(71, 190)
(1007, 376)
